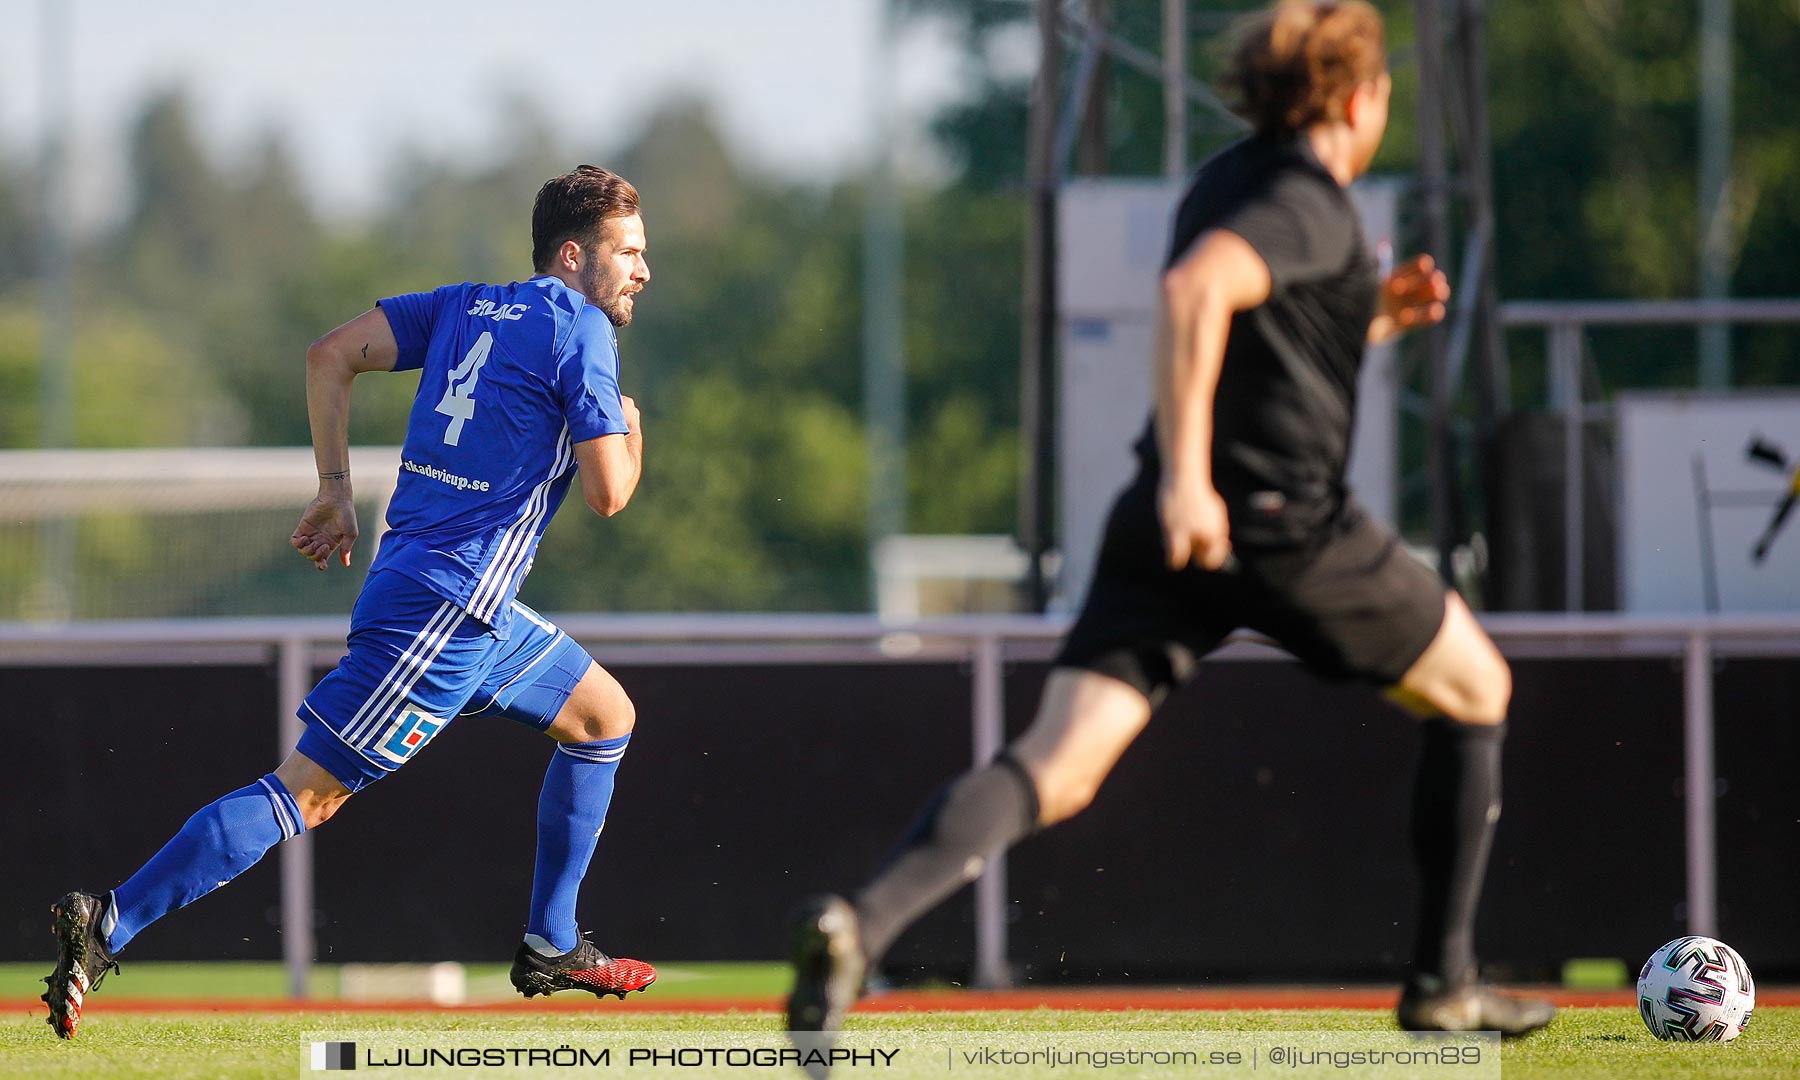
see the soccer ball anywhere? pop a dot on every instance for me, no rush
(1696, 989)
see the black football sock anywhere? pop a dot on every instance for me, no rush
(976, 816)
(1456, 802)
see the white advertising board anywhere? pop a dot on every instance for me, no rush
(1684, 472)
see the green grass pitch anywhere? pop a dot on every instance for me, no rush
(259, 981)
(1599, 1043)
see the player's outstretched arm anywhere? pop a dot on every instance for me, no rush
(1220, 275)
(612, 464)
(365, 343)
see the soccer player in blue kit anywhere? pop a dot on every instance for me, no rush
(518, 395)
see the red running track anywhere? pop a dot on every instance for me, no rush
(1107, 999)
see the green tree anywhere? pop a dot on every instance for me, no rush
(201, 256)
(745, 358)
(131, 386)
(18, 241)
(1595, 118)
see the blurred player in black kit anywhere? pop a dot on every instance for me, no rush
(1239, 516)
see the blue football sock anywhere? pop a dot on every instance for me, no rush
(577, 790)
(217, 844)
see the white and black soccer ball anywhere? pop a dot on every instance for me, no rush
(1696, 989)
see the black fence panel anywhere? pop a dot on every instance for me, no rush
(1257, 830)
(107, 764)
(744, 789)
(1757, 752)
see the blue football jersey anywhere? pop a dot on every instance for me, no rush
(513, 376)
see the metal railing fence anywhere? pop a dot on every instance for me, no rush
(1565, 324)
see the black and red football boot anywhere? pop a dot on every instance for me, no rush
(582, 968)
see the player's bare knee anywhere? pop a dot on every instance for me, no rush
(1065, 801)
(619, 718)
(1062, 793)
(604, 717)
(1054, 784)
(1486, 693)
(598, 709)
(1503, 689)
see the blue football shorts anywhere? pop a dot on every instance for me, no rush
(418, 661)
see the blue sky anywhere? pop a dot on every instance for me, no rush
(354, 81)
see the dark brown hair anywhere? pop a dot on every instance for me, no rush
(1296, 64)
(573, 206)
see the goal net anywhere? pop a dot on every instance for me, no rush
(126, 534)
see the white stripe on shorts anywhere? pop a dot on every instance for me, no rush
(404, 675)
(537, 620)
(401, 675)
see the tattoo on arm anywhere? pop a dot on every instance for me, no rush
(365, 350)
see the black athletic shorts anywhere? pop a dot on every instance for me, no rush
(1352, 605)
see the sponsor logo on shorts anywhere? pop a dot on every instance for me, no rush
(1270, 503)
(405, 736)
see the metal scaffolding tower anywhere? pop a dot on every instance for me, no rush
(1068, 119)
(1456, 186)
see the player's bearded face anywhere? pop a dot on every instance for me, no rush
(616, 271)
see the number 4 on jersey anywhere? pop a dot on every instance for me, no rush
(459, 395)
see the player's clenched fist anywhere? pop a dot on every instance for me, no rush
(631, 414)
(327, 526)
(1411, 297)
(1195, 526)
